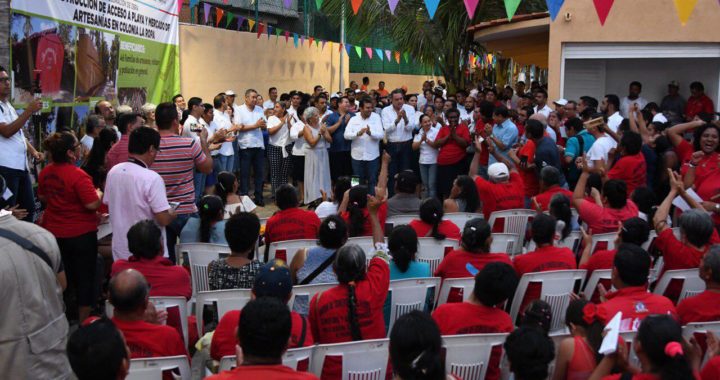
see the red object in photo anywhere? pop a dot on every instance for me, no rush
(49, 59)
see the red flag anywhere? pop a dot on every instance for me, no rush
(218, 16)
(260, 29)
(356, 5)
(602, 7)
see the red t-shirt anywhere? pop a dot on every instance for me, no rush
(67, 189)
(367, 226)
(711, 370)
(599, 260)
(698, 104)
(291, 224)
(700, 308)
(708, 185)
(543, 199)
(452, 152)
(679, 256)
(501, 196)
(454, 265)
(636, 303)
(265, 372)
(165, 278)
(632, 170)
(147, 340)
(446, 227)
(637, 376)
(467, 318)
(118, 153)
(529, 176)
(605, 219)
(225, 337)
(542, 259)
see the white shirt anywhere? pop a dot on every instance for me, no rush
(614, 121)
(299, 146)
(551, 133)
(14, 150)
(269, 104)
(190, 123)
(280, 138)
(222, 121)
(246, 205)
(465, 116)
(325, 209)
(401, 131)
(88, 141)
(428, 154)
(294, 117)
(253, 138)
(364, 148)
(626, 103)
(545, 110)
(600, 149)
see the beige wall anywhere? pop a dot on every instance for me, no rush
(628, 21)
(213, 60)
(392, 81)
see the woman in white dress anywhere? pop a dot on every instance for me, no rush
(317, 164)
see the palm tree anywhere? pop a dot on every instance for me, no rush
(441, 42)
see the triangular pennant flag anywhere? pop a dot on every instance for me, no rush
(241, 21)
(287, 3)
(358, 50)
(406, 55)
(179, 6)
(260, 29)
(348, 47)
(356, 5)
(387, 54)
(218, 16)
(323, 45)
(310, 41)
(317, 44)
(397, 57)
(302, 40)
(269, 31)
(277, 33)
(251, 24)
(553, 7)
(380, 54)
(511, 7)
(225, 1)
(318, 3)
(471, 6)
(431, 6)
(392, 4)
(295, 39)
(602, 7)
(206, 11)
(340, 47)
(685, 9)
(369, 51)
(230, 17)
(287, 36)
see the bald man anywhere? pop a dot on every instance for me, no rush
(542, 119)
(106, 111)
(129, 295)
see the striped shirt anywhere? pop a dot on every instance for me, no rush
(175, 163)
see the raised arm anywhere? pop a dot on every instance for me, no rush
(381, 188)
(373, 205)
(7, 130)
(579, 192)
(675, 134)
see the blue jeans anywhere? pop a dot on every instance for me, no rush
(223, 163)
(428, 174)
(256, 158)
(18, 182)
(368, 172)
(172, 232)
(199, 183)
(400, 159)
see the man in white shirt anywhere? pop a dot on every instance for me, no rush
(632, 98)
(321, 103)
(541, 103)
(251, 145)
(191, 127)
(295, 99)
(597, 156)
(610, 107)
(13, 145)
(272, 99)
(365, 130)
(223, 158)
(230, 102)
(396, 120)
(93, 126)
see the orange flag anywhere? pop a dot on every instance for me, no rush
(218, 16)
(356, 5)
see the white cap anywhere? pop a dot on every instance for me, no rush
(358, 91)
(561, 102)
(498, 172)
(334, 95)
(660, 118)
(229, 93)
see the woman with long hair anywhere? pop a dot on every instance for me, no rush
(424, 142)
(209, 226)
(560, 208)
(578, 354)
(403, 246)
(431, 223)
(332, 235)
(416, 348)
(529, 352)
(227, 189)
(95, 164)
(463, 196)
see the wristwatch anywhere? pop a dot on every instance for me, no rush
(717, 207)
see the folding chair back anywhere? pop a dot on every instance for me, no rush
(432, 251)
(306, 292)
(515, 222)
(296, 355)
(504, 242)
(199, 256)
(608, 238)
(462, 285)
(366, 360)
(397, 220)
(468, 356)
(591, 284)
(410, 294)
(460, 218)
(285, 250)
(692, 284)
(163, 364)
(229, 299)
(702, 328)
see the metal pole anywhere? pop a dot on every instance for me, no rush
(342, 41)
(257, 11)
(306, 27)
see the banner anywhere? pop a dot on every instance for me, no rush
(84, 51)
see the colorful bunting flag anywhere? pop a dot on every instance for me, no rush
(323, 45)
(218, 16)
(318, 3)
(269, 31)
(295, 39)
(302, 40)
(380, 54)
(685, 9)
(225, 1)
(206, 11)
(511, 7)
(230, 17)
(397, 57)
(369, 52)
(287, 36)
(356, 5)
(251, 24)
(340, 46)
(554, 7)
(432, 6)
(287, 3)
(387, 54)
(471, 6)
(406, 55)
(392, 4)
(241, 21)
(348, 47)
(179, 6)
(311, 39)
(358, 50)
(317, 44)
(602, 7)
(194, 3)
(260, 29)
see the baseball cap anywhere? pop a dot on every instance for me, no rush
(659, 118)
(498, 171)
(674, 83)
(229, 93)
(273, 280)
(561, 102)
(334, 95)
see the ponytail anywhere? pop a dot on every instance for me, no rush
(350, 266)
(402, 244)
(661, 339)
(211, 210)
(224, 186)
(560, 209)
(431, 212)
(355, 332)
(475, 234)
(357, 202)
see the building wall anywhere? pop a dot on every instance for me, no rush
(392, 81)
(628, 21)
(214, 60)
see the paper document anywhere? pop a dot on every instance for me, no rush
(612, 330)
(680, 203)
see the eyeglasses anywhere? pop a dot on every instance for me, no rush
(5, 80)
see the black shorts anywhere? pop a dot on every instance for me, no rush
(298, 168)
(79, 256)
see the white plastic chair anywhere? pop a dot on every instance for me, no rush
(291, 358)
(516, 222)
(227, 363)
(572, 241)
(466, 285)
(410, 294)
(468, 356)
(144, 374)
(692, 284)
(656, 269)
(629, 338)
(181, 304)
(651, 238)
(460, 218)
(365, 242)
(701, 328)
(397, 220)
(308, 291)
(229, 299)
(591, 284)
(609, 238)
(163, 364)
(556, 287)
(504, 243)
(285, 250)
(367, 359)
(200, 255)
(432, 251)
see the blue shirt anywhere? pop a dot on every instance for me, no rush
(507, 133)
(572, 146)
(546, 154)
(415, 269)
(191, 232)
(339, 144)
